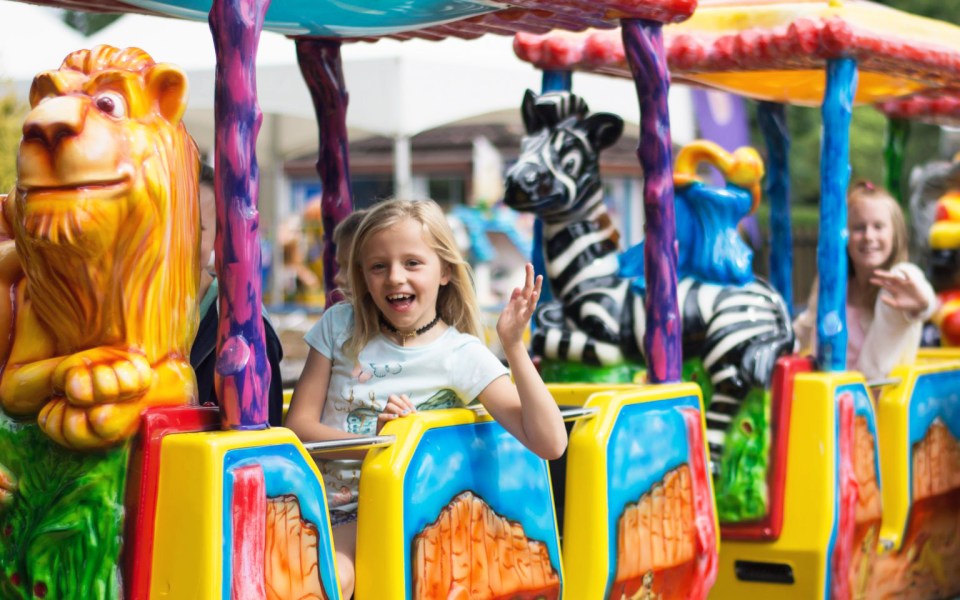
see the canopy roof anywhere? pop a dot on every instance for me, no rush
(775, 50)
(939, 107)
(429, 19)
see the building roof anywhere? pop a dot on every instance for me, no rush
(450, 148)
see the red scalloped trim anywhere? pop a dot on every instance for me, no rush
(940, 108)
(805, 43)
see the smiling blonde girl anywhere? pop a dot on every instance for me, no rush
(888, 298)
(408, 340)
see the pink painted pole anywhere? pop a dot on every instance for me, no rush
(242, 378)
(322, 70)
(643, 44)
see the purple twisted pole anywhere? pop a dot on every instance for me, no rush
(242, 377)
(322, 70)
(643, 44)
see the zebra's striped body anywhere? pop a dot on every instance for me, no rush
(597, 317)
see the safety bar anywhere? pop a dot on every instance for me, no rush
(571, 413)
(359, 443)
(875, 383)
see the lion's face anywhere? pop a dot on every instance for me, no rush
(87, 143)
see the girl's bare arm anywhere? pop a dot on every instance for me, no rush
(526, 410)
(306, 407)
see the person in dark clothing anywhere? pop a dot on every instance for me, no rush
(203, 355)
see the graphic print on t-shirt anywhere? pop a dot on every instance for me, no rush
(359, 397)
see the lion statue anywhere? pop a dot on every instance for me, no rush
(103, 264)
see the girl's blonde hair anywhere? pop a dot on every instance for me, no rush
(456, 301)
(866, 191)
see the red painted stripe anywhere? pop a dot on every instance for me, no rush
(143, 478)
(781, 406)
(249, 513)
(705, 521)
(848, 491)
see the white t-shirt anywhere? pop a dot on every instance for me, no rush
(449, 371)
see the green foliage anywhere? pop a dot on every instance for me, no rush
(12, 113)
(556, 371)
(866, 129)
(62, 532)
(934, 9)
(741, 486)
(89, 23)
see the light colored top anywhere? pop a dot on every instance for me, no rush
(879, 340)
(449, 371)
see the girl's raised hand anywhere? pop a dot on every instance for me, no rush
(516, 314)
(902, 292)
(397, 406)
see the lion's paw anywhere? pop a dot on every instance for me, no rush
(88, 427)
(102, 376)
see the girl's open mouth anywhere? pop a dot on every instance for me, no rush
(400, 301)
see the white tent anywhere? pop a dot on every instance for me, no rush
(397, 89)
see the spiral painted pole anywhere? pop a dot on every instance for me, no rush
(242, 378)
(832, 243)
(643, 44)
(322, 70)
(773, 125)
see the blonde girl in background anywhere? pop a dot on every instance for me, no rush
(408, 340)
(888, 298)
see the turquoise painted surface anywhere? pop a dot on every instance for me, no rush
(647, 441)
(333, 18)
(285, 472)
(451, 460)
(935, 396)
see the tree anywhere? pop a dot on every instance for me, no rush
(867, 129)
(12, 113)
(88, 23)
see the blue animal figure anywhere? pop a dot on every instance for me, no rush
(710, 247)
(598, 317)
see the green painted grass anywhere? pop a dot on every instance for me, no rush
(61, 535)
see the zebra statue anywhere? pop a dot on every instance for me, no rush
(597, 316)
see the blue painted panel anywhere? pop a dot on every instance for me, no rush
(333, 18)
(936, 397)
(285, 472)
(647, 441)
(488, 461)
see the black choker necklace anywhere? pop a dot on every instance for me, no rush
(407, 336)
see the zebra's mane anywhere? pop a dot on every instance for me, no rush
(552, 108)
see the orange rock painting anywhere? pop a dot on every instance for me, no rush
(470, 552)
(924, 567)
(936, 463)
(656, 541)
(292, 569)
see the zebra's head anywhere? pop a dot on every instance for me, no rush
(557, 175)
